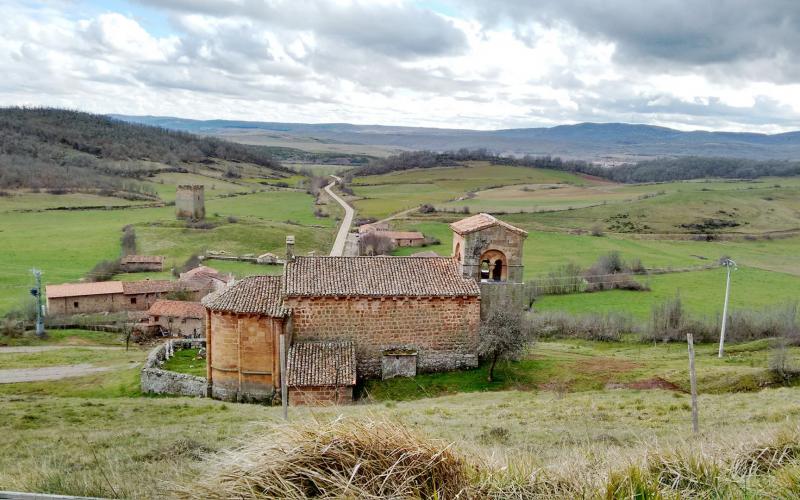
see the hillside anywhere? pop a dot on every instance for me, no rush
(69, 150)
(584, 140)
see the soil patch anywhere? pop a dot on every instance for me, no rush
(651, 383)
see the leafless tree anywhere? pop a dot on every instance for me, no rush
(502, 337)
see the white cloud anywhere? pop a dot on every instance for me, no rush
(387, 62)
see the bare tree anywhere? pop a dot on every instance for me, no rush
(502, 337)
(375, 243)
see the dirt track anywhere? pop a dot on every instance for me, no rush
(50, 373)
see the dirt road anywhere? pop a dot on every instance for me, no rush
(50, 372)
(349, 213)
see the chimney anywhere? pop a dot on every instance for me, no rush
(290, 248)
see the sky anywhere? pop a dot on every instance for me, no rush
(729, 65)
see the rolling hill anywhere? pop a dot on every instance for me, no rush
(583, 140)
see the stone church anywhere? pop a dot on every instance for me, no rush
(346, 318)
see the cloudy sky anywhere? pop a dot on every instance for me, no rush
(486, 64)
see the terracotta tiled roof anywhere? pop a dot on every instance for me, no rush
(148, 286)
(321, 364)
(178, 309)
(83, 289)
(142, 259)
(375, 226)
(250, 295)
(403, 235)
(482, 221)
(376, 276)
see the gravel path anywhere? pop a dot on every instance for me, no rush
(349, 213)
(43, 348)
(50, 373)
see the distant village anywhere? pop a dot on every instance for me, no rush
(345, 317)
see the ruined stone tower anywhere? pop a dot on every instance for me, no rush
(190, 202)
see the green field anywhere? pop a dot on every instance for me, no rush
(383, 195)
(701, 292)
(67, 244)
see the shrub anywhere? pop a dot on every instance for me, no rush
(192, 262)
(426, 209)
(597, 230)
(128, 240)
(103, 270)
(342, 459)
(558, 324)
(232, 219)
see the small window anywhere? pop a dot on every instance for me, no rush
(75, 305)
(133, 300)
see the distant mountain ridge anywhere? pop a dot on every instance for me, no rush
(582, 140)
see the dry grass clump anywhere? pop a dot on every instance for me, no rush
(345, 458)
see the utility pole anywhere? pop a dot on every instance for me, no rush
(728, 263)
(37, 293)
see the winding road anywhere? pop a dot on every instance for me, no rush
(344, 229)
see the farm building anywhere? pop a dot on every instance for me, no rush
(177, 318)
(401, 315)
(375, 226)
(207, 278)
(141, 263)
(405, 238)
(114, 296)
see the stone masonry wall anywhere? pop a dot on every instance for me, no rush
(473, 245)
(155, 380)
(109, 302)
(444, 331)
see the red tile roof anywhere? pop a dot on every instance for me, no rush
(178, 309)
(250, 295)
(321, 364)
(403, 235)
(142, 259)
(149, 286)
(482, 221)
(376, 276)
(83, 289)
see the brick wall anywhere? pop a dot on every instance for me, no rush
(444, 331)
(320, 396)
(177, 326)
(243, 362)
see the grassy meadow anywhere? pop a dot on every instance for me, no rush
(66, 244)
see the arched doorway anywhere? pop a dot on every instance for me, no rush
(494, 266)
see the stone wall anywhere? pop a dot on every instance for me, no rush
(443, 331)
(155, 380)
(320, 396)
(178, 326)
(243, 358)
(473, 245)
(190, 202)
(502, 295)
(109, 302)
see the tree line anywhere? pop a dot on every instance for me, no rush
(656, 170)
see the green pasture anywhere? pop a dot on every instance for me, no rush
(242, 269)
(25, 200)
(165, 184)
(67, 244)
(111, 357)
(701, 292)
(756, 210)
(545, 251)
(386, 194)
(185, 361)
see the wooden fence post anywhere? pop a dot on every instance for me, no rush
(693, 381)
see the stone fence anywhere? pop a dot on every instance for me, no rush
(156, 380)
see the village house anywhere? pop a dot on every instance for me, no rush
(207, 278)
(405, 238)
(141, 263)
(375, 226)
(399, 315)
(177, 318)
(115, 296)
